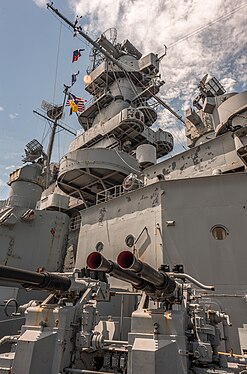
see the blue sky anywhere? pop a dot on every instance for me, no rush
(29, 37)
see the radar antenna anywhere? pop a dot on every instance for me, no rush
(110, 51)
(111, 35)
(33, 151)
(95, 56)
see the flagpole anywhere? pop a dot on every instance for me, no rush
(52, 136)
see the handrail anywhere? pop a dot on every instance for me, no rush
(109, 193)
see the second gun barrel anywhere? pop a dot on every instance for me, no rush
(161, 281)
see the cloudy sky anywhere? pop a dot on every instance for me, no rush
(201, 37)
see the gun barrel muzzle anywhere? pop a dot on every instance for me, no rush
(161, 281)
(96, 261)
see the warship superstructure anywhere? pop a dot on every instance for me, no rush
(119, 261)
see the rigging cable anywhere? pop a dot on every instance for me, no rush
(177, 138)
(58, 145)
(43, 135)
(57, 59)
(75, 30)
(68, 27)
(199, 29)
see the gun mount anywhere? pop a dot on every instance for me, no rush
(155, 284)
(96, 261)
(32, 279)
(74, 318)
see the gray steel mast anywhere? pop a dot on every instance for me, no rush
(78, 30)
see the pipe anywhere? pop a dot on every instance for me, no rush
(192, 280)
(118, 342)
(9, 339)
(121, 317)
(129, 293)
(71, 370)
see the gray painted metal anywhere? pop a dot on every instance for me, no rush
(35, 239)
(186, 214)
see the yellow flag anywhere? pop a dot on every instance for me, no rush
(73, 106)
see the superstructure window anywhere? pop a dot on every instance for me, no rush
(99, 247)
(219, 232)
(130, 240)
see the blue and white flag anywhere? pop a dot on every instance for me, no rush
(73, 80)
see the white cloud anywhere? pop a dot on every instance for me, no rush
(151, 25)
(228, 84)
(41, 3)
(1, 109)
(13, 115)
(202, 36)
(10, 167)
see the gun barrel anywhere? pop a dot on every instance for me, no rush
(42, 280)
(96, 261)
(161, 281)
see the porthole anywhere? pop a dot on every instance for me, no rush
(219, 232)
(99, 247)
(130, 240)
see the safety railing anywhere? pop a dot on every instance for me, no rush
(109, 194)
